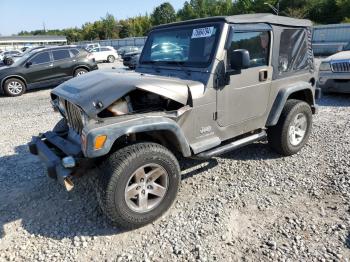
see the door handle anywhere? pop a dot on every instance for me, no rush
(263, 75)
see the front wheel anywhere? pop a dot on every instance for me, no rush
(14, 87)
(110, 59)
(138, 183)
(293, 128)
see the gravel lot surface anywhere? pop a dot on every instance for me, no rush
(249, 205)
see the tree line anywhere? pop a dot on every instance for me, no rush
(109, 27)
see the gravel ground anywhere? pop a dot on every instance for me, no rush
(249, 205)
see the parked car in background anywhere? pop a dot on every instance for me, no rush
(8, 53)
(134, 61)
(11, 58)
(127, 49)
(104, 53)
(346, 47)
(334, 73)
(128, 58)
(91, 46)
(44, 67)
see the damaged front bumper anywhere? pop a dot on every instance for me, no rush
(61, 156)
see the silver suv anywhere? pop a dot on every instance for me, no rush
(202, 88)
(334, 73)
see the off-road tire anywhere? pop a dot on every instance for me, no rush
(110, 59)
(115, 173)
(278, 136)
(10, 91)
(80, 71)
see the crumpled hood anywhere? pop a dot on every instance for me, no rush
(339, 56)
(107, 86)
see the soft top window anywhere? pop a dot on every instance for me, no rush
(293, 54)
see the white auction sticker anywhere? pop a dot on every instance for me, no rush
(202, 32)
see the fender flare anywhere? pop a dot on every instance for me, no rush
(10, 76)
(80, 66)
(115, 130)
(282, 98)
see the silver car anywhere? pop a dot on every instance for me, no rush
(334, 73)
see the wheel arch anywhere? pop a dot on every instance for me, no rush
(302, 91)
(81, 66)
(161, 130)
(12, 76)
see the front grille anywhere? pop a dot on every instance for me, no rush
(340, 67)
(127, 58)
(73, 114)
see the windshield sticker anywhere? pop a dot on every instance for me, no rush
(203, 32)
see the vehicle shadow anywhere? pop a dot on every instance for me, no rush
(45, 208)
(335, 99)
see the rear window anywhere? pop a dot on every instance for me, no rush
(60, 54)
(75, 52)
(293, 54)
(105, 49)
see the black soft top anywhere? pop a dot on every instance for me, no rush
(247, 19)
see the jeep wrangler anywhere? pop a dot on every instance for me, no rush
(202, 88)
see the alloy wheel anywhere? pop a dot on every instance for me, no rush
(146, 188)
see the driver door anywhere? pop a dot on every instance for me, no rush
(246, 96)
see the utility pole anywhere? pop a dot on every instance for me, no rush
(44, 27)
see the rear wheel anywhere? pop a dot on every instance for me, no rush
(138, 183)
(110, 59)
(293, 128)
(14, 87)
(80, 71)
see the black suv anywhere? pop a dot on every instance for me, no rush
(45, 67)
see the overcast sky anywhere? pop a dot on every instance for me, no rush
(18, 15)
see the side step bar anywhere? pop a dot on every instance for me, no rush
(232, 146)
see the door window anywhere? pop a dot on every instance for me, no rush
(104, 49)
(257, 43)
(60, 54)
(41, 58)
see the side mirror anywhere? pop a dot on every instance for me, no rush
(240, 59)
(28, 64)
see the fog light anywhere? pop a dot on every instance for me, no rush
(100, 141)
(68, 162)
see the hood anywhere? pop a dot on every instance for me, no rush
(104, 87)
(339, 56)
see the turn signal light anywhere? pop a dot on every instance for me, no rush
(100, 141)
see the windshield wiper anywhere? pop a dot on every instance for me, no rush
(181, 64)
(175, 62)
(148, 62)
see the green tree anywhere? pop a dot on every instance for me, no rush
(163, 14)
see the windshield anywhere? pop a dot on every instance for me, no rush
(188, 46)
